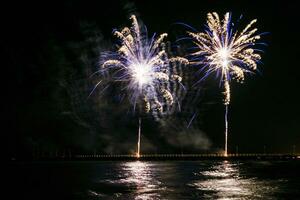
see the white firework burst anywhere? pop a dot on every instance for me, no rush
(143, 67)
(228, 53)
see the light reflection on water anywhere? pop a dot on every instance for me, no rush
(140, 174)
(224, 181)
(188, 180)
(136, 180)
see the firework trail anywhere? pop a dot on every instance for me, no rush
(141, 65)
(228, 53)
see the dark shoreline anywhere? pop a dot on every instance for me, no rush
(166, 157)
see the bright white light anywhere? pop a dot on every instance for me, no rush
(142, 74)
(223, 55)
(224, 63)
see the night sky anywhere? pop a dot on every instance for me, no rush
(51, 49)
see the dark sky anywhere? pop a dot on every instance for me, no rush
(52, 47)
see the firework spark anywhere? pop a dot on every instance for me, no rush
(226, 52)
(143, 67)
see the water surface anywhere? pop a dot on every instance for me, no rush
(157, 180)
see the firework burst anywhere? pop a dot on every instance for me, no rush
(228, 53)
(142, 66)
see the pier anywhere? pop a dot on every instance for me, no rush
(208, 156)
